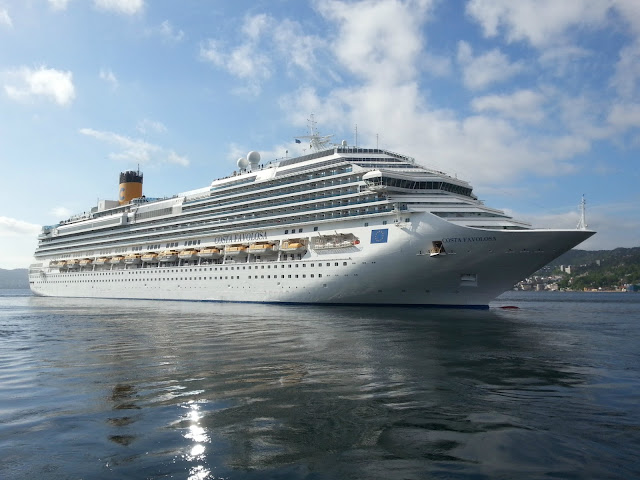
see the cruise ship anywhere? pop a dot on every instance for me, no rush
(340, 225)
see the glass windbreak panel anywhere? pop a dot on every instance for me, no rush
(421, 185)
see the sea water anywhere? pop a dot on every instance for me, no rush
(194, 390)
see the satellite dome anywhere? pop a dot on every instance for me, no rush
(254, 159)
(243, 163)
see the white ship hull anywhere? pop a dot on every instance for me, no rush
(396, 269)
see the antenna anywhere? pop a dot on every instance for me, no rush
(582, 223)
(317, 142)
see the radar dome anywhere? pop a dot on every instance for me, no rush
(243, 163)
(344, 143)
(254, 159)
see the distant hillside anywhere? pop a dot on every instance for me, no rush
(17, 278)
(599, 269)
(587, 257)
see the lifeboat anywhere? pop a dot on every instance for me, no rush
(150, 257)
(73, 263)
(261, 248)
(210, 252)
(116, 260)
(188, 254)
(101, 260)
(133, 259)
(328, 242)
(85, 262)
(235, 250)
(168, 256)
(293, 246)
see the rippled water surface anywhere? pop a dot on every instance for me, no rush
(141, 389)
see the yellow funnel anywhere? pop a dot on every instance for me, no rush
(130, 186)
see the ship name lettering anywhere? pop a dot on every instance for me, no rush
(240, 237)
(468, 239)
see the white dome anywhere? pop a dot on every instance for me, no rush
(243, 163)
(254, 158)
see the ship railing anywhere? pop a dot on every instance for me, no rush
(279, 184)
(271, 204)
(275, 221)
(296, 212)
(279, 192)
(265, 221)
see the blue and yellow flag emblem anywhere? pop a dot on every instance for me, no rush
(380, 236)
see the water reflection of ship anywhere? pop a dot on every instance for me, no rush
(426, 381)
(122, 395)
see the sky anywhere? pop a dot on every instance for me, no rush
(534, 102)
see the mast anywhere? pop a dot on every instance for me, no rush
(582, 223)
(316, 141)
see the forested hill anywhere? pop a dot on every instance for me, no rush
(600, 269)
(629, 256)
(17, 278)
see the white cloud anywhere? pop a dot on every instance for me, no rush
(61, 212)
(627, 73)
(173, 157)
(147, 126)
(619, 218)
(539, 22)
(629, 12)
(244, 62)
(296, 48)
(395, 107)
(370, 44)
(138, 151)
(582, 115)
(59, 4)
(563, 59)
(108, 76)
(625, 116)
(25, 84)
(284, 40)
(254, 26)
(10, 227)
(5, 19)
(125, 7)
(169, 32)
(18, 239)
(476, 148)
(135, 150)
(523, 105)
(437, 66)
(484, 70)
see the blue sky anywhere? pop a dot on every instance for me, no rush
(533, 102)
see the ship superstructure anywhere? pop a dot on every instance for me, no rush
(342, 225)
